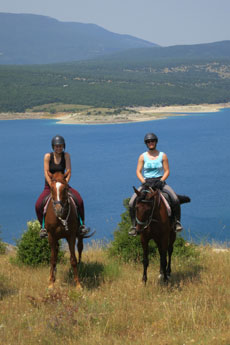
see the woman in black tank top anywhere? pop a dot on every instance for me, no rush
(60, 164)
(58, 161)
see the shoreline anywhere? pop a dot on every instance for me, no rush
(135, 114)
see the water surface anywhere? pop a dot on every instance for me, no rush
(104, 159)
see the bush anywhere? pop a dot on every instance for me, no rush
(129, 248)
(31, 249)
(2, 246)
(184, 248)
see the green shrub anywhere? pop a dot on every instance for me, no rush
(31, 249)
(184, 248)
(129, 248)
(2, 246)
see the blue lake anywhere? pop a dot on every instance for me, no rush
(104, 159)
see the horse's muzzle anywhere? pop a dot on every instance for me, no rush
(58, 208)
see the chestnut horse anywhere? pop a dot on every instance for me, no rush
(61, 221)
(154, 223)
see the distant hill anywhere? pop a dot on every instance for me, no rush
(207, 51)
(35, 39)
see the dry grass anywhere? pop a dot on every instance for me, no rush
(114, 307)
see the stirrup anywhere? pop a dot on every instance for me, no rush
(43, 233)
(133, 231)
(178, 226)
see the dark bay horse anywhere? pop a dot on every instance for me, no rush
(154, 223)
(61, 221)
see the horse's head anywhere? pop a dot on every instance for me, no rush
(145, 206)
(59, 191)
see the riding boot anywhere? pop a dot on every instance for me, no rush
(84, 229)
(177, 214)
(178, 226)
(43, 232)
(132, 230)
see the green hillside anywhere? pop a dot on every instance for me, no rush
(116, 83)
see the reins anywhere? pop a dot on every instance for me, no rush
(150, 219)
(65, 221)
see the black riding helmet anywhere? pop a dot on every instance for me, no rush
(58, 140)
(150, 136)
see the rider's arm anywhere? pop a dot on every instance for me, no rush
(46, 167)
(140, 165)
(166, 167)
(68, 165)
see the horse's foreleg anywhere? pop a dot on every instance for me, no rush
(163, 264)
(73, 260)
(170, 251)
(79, 248)
(145, 246)
(163, 248)
(53, 262)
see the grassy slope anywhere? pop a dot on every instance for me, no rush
(114, 307)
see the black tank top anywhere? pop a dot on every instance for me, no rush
(53, 168)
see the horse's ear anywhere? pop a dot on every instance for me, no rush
(136, 191)
(49, 174)
(67, 174)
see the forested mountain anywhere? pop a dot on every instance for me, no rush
(35, 39)
(119, 83)
(126, 71)
(205, 51)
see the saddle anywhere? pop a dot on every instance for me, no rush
(166, 197)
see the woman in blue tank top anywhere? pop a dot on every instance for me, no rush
(153, 169)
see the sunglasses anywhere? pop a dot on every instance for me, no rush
(150, 141)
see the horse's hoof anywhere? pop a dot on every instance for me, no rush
(79, 287)
(51, 286)
(162, 279)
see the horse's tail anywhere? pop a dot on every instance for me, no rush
(183, 199)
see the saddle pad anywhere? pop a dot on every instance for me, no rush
(73, 202)
(169, 211)
(46, 204)
(48, 199)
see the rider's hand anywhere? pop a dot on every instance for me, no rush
(146, 185)
(159, 184)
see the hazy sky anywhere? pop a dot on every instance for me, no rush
(165, 22)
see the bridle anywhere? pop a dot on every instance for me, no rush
(150, 218)
(64, 206)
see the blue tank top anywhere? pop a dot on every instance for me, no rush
(153, 167)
